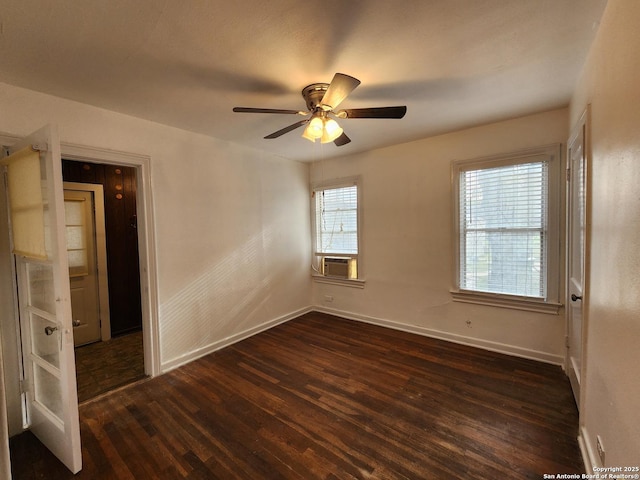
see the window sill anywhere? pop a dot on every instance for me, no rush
(345, 282)
(506, 301)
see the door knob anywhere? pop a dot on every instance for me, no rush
(575, 297)
(50, 330)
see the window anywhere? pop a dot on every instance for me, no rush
(507, 229)
(336, 218)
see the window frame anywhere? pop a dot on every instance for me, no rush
(552, 154)
(316, 256)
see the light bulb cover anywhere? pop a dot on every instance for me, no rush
(308, 136)
(315, 127)
(331, 130)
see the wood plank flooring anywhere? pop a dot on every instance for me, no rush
(325, 398)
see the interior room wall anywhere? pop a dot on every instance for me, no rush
(5, 471)
(232, 227)
(611, 390)
(408, 240)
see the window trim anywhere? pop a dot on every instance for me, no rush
(317, 256)
(551, 304)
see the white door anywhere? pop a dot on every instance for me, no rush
(87, 254)
(34, 177)
(83, 272)
(576, 223)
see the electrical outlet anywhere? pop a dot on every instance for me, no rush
(328, 298)
(600, 449)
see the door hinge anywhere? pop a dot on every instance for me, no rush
(568, 174)
(566, 341)
(23, 387)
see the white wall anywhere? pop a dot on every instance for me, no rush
(232, 226)
(611, 388)
(408, 240)
(5, 471)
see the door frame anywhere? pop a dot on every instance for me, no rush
(582, 127)
(101, 251)
(146, 240)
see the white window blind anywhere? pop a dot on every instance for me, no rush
(337, 220)
(26, 204)
(503, 229)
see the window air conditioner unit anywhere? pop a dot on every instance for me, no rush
(335, 267)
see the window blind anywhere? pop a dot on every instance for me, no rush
(503, 229)
(337, 220)
(27, 208)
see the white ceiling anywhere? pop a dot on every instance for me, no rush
(454, 63)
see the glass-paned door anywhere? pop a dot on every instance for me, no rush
(34, 180)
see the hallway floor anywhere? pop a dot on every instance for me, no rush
(104, 366)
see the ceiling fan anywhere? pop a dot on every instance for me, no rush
(322, 100)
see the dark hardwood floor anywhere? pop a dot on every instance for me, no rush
(324, 398)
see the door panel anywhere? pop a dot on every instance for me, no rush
(44, 296)
(576, 217)
(83, 272)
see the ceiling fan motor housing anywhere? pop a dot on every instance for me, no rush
(313, 95)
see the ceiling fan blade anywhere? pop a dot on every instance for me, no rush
(267, 110)
(375, 112)
(287, 129)
(342, 140)
(341, 86)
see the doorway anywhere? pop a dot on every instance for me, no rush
(110, 349)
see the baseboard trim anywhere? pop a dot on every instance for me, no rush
(201, 352)
(589, 453)
(427, 332)
(450, 337)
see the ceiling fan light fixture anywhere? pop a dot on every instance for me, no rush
(307, 135)
(314, 129)
(331, 130)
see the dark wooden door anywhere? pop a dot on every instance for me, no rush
(123, 267)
